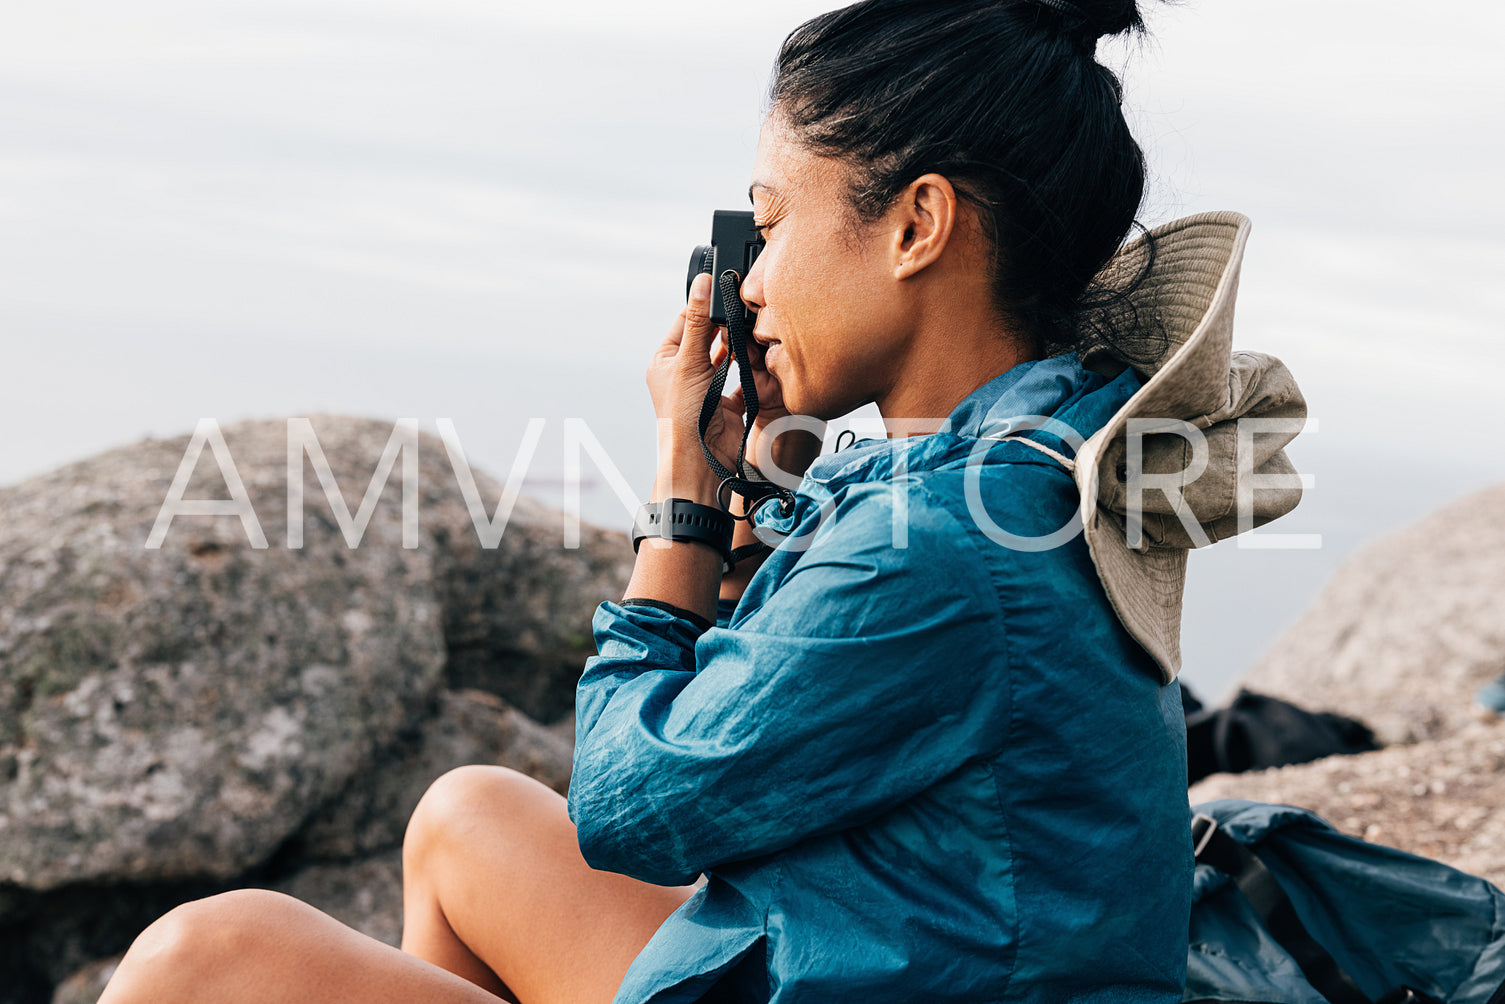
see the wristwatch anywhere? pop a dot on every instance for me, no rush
(681, 519)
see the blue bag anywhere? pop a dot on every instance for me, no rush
(1287, 910)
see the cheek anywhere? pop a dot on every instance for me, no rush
(816, 285)
(826, 299)
(844, 296)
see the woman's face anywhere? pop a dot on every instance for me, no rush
(828, 314)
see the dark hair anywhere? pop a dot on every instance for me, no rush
(1008, 102)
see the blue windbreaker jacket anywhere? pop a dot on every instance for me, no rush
(914, 764)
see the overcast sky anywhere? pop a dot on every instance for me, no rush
(482, 211)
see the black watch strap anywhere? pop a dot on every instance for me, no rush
(681, 519)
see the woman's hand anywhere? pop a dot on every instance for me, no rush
(679, 377)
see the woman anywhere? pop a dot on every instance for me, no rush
(916, 752)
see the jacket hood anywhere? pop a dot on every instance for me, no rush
(1193, 380)
(1197, 453)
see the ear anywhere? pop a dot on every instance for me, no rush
(924, 224)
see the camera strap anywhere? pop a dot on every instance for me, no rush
(746, 480)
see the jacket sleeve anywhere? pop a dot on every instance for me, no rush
(869, 674)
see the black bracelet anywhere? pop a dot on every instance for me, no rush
(681, 519)
(746, 551)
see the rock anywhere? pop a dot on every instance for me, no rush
(57, 933)
(85, 986)
(366, 894)
(1406, 632)
(467, 727)
(1408, 629)
(177, 713)
(517, 620)
(209, 714)
(1442, 798)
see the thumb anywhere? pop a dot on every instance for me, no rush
(698, 328)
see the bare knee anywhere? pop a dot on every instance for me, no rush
(209, 930)
(182, 954)
(463, 800)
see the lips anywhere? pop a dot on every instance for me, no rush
(761, 349)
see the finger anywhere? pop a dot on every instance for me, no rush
(697, 326)
(720, 352)
(770, 394)
(676, 333)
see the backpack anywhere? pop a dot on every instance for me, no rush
(1287, 910)
(1255, 731)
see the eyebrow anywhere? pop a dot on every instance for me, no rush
(758, 184)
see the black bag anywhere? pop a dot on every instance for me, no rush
(1256, 731)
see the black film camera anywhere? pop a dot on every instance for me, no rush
(734, 245)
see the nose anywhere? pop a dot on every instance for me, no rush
(752, 285)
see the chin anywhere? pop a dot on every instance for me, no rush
(800, 399)
(796, 404)
(814, 409)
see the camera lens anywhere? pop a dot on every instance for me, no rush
(701, 260)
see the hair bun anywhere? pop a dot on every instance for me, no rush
(1093, 19)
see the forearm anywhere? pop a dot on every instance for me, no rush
(684, 573)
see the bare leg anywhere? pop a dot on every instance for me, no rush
(495, 890)
(259, 947)
(496, 898)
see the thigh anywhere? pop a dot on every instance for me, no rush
(496, 853)
(260, 947)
